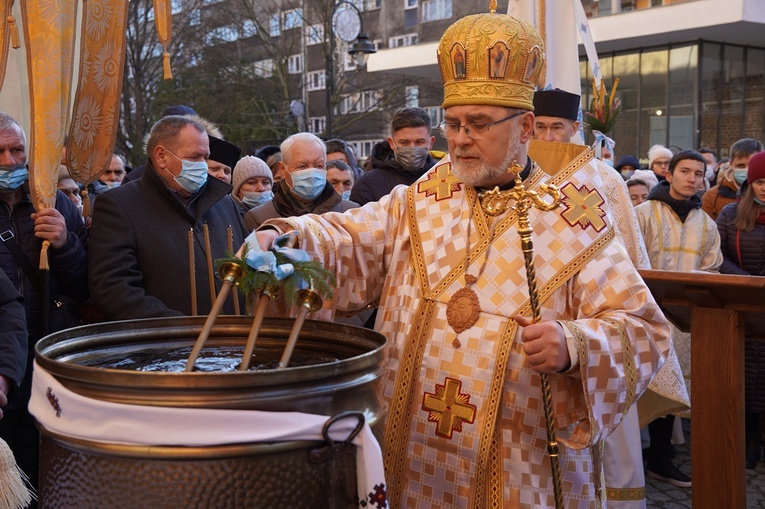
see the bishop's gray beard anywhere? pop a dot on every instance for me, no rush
(483, 175)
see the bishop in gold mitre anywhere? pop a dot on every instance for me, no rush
(465, 425)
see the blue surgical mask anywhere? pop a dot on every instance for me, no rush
(308, 184)
(739, 175)
(609, 162)
(346, 194)
(13, 177)
(112, 185)
(255, 198)
(193, 174)
(759, 202)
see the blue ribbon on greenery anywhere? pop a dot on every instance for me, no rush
(605, 140)
(265, 261)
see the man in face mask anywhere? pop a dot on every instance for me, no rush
(402, 159)
(22, 231)
(115, 173)
(731, 177)
(304, 189)
(139, 263)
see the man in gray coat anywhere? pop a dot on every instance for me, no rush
(139, 240)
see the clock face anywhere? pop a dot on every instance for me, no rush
(347, 24)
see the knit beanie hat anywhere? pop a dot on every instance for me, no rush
(656, 152)
(756, 169)
(248, 167)
(647, 176)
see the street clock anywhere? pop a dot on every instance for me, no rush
(347, 24)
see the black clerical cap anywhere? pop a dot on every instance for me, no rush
(556, 103)
(224, 152)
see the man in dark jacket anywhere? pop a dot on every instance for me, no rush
(139, 258)
(402, 159)
(305, 189)
(13, 340)
(22, 231)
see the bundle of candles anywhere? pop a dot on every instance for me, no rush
(282, 271)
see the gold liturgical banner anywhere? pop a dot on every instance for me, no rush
(49, 36)
(97, 101)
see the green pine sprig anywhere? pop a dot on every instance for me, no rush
(311, 274)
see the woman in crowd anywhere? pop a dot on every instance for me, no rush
(253, 182)
(742, 233)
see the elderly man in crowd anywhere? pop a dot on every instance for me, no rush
(22, 231)
(304, 189)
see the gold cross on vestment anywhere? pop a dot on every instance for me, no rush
(583, 207)
(441, 182)
(448, 408)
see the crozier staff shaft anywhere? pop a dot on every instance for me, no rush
(525, 200)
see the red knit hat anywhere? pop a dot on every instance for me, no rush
(756, 169)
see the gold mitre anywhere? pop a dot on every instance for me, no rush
(492, 59)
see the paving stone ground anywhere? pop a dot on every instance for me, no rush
(662, 495)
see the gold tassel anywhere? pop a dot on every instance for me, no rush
(14, 30)
(13, 493)
(166, 65)
(44, 265)
(85, 202)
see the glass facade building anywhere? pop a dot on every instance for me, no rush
(692, 95)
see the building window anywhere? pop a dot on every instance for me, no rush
(316, 80)
(436, 115)
(436, 9)
(367, 5)
(349, 63)
(314, 34)
(274, 25)
(363, 148)
(292, 18)
(412, 97)
(317, 125)
(410, 4)
(402, 40)
(360, 102)
(217, 35)
(263, 68)
(295, 63)
(249, 28)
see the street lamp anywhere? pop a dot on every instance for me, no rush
(345, 22)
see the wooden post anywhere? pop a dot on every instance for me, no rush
(717, 408)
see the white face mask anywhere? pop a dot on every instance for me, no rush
(112, 185)
(255, 198)
(710, 173)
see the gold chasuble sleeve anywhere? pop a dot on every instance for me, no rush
(465, 425)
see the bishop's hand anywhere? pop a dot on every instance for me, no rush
(544, 344)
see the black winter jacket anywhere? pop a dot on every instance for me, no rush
(751, 247)
(68, 270)
(13, 334)
(385, 174)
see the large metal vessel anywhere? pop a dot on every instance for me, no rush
(83, 474)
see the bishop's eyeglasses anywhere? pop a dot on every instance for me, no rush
(473, 130)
